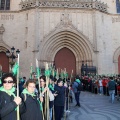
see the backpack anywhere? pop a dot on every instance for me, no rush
(80, 87)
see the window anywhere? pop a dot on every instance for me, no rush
(4, 4)
(118, 6)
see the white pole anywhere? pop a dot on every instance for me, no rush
(18, 117)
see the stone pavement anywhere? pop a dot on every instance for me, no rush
(94, 107)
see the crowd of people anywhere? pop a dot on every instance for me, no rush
(38, 99)
(103, 85)
(49, 98)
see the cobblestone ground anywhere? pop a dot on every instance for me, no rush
(94, 107)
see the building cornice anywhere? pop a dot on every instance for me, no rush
(77, 4)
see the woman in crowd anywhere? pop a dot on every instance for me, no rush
(43, 97)
(8, 99)
(32, 103)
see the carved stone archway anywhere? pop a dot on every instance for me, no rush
(66, 37)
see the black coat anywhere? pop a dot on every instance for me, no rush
(60, 98)
(8, 106)
(32, 105)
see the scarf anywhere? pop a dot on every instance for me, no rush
(25, 91)
(9, 92)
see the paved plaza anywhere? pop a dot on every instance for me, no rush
(95, 107)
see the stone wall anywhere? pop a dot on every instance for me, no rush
(28, 30)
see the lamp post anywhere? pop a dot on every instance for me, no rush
(12, 55)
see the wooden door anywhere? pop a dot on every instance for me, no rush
(66, 59)
(4, 62)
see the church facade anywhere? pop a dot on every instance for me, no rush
(66, 33)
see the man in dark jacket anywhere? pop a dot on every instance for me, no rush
(59, 99)
(111, 89)
(76, 91)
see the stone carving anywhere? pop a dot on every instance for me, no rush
(65, 19)
(2, 29)
(84, 4)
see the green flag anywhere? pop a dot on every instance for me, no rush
(15, 69)
(38, 72)
(47, 73)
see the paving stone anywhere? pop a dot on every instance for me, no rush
(94, 107)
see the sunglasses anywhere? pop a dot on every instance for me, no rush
(9, 81)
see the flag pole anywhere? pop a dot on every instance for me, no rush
(47, 72)
(69, 90)
(65, 95)
(18, 116)
(38, 77)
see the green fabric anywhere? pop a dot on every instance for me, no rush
(22, 80)
(40, 103)
(25, 91)
(15, 69)
(38, 72)
(77, 80)
(9, 92)
(41, 89)
(47, 73)
(51, 87)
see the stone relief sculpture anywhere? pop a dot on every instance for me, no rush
(82, 4)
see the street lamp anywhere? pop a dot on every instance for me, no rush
(12, 55)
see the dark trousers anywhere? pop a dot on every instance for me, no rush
(77, 97)
(59, 111)
(104, 90)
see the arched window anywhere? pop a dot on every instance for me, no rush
(4, 4)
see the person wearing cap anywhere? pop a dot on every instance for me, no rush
(111, 89)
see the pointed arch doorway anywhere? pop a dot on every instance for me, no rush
(65, 58)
